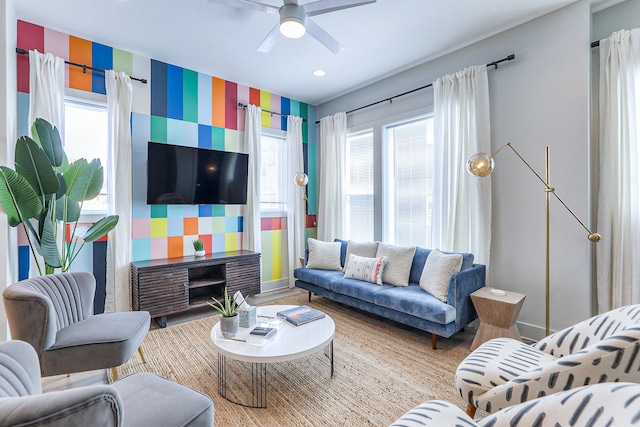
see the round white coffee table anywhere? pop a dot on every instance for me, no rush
(289, 343)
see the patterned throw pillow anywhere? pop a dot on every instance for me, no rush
(437, 272)
(324, 255)
(365, 249)
(367, 269)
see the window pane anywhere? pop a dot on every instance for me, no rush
(272, 194)
(86, 136)
(359, 187)
(410, 146)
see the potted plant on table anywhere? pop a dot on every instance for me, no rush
(229, 310)
(198, 247)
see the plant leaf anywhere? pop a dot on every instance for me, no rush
(48, 138)
(84, 180)
(48, 247)
(100, 228)
(17, 197)
(73, 210)
(33, 164)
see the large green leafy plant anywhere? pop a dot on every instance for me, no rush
(45, 193)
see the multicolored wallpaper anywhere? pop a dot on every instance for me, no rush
(176, 106)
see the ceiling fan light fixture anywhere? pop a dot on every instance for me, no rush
(292, 20)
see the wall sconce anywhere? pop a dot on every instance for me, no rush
(302, 180)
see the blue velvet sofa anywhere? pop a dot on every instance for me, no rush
(409, 305)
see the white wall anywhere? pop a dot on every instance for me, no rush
(539, 99)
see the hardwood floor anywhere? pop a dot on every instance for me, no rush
(81, 379)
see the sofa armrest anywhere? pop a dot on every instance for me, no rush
(461, 285)
(98, 405)
(434, 413)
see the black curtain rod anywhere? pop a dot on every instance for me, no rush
(84, 67)
(595, 43)
(390, 99)
(241, 105)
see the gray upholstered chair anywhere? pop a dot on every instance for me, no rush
(54, 314)
(137, 400)
(504, 372)
(598, 405)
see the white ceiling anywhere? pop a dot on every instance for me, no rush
(379, 39)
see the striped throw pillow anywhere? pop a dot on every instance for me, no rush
(367, 269)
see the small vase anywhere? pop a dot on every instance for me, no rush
(199, 253)
(229, 326)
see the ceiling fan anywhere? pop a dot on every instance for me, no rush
(294, 22)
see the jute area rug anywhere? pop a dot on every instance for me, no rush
(381, 371)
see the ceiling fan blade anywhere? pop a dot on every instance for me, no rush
(323, 37)
(325, 6)
(272, 38)
(248, 4)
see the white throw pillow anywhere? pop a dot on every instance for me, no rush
(399, 264)
(365, 249)
(367, 269)
(437, 272)
(324, 255)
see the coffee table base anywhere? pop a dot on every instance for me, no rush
(258, 379)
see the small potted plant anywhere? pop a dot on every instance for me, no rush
(198, 246)
(229, 310)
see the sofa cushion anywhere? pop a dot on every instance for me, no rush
(414, 301)
(367, 269)
(437, 273)
(420, 258)
(324, 255)
(321, 278)
(363, 249)
(399, 266)
(364, 291)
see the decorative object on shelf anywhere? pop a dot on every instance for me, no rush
(198, 247)
(229, 321)
(45, 194)
(482, 164)
(246, 312)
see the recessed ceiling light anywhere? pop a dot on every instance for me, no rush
(319, 73)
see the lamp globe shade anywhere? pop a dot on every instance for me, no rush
(480, 164)
(301, 179)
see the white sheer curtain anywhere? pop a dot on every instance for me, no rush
(618, 271)
(461, 218)
(333, 136)
(119, 98)
(46, 101)
(296, 217)
(251, 238)
(46, 89)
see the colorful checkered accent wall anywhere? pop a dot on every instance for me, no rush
(177, 106)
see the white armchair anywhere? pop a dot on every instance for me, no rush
(599, 405)
(504, 372)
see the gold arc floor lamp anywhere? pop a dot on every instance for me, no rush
(482, 164)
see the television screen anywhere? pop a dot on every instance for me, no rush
(195, 176)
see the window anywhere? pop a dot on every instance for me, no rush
(408, 181)
(359, 187)
(86, 136)
(273, 197)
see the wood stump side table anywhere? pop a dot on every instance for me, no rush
(498, 315)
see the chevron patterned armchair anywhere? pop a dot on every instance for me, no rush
(504, 372)
(598, 405)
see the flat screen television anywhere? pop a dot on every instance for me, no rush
(195, 176)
